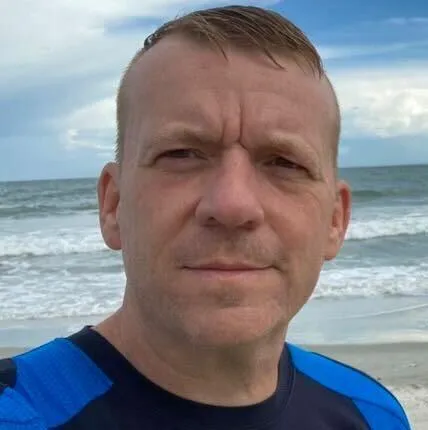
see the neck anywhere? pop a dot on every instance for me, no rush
(229, 376)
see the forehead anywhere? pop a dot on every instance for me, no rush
(181, 81)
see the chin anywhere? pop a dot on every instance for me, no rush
(232, 327)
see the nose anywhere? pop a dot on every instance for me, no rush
(230, 198)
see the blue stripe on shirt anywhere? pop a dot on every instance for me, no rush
(16, 414)
(59, 380)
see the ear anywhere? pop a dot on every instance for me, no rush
(108, 203)
(340, 220)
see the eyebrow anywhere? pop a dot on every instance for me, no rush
(293, 144)
(181, 134)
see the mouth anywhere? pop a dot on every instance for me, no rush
(217, 266)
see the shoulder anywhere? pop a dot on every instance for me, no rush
(377, 404)
(49, 384)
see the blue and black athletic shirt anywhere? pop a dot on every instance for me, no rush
(82, 382)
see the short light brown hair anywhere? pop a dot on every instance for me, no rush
(243, 27)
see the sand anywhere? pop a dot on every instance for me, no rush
(401, 367)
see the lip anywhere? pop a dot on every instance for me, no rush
(227, 267)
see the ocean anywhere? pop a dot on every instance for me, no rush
(56, 274)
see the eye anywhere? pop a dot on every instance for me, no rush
(180, 154)
(181, 160)
(285, 163)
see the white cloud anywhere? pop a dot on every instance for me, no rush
(65, 38)
(61, 37)
(88, 127)
(384, 102)
(48, 41)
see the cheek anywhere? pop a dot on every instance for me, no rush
(303, 245)
(301, 228)
(155, 217)
(302, 222)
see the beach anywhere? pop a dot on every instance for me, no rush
(401, 367)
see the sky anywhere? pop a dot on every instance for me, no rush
(61, 62)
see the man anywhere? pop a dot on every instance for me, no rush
(225, 202)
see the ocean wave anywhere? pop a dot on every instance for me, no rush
(39, 296)
(40, 243)
(41, 210)
(408, 224)
(383, 281)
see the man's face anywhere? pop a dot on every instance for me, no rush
(228, 203)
